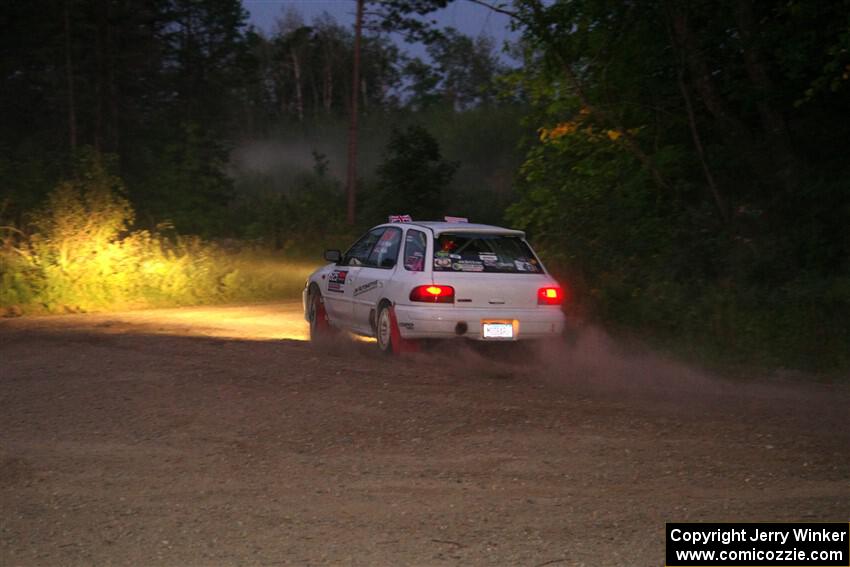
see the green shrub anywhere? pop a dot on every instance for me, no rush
(81, 256)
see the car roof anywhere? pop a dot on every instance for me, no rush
(440, 226)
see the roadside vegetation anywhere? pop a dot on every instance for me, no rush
(81, 255)
(682, 167)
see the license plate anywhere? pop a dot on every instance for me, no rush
(500, 330)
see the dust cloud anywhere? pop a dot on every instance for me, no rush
(592, 359)
(587, 358)
(270, 157)
(590, 362)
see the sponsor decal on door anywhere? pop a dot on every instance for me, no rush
(336, 281)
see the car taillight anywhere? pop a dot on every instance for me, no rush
(433, 294)
(550, 296)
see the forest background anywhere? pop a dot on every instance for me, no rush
(682, 167)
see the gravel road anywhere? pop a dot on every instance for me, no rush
(218, 436)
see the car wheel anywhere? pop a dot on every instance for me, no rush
(320, 328)
(387, 334)
(384, 330)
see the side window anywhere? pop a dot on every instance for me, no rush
(385, 252)
(358, 254)
(415, 244)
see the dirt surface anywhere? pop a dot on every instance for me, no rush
(215, 437)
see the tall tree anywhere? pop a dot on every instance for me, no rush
(412, 176)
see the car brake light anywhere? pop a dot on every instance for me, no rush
(433, 294)
(550, 296)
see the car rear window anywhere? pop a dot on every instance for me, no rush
(484, 253)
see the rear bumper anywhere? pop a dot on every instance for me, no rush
(433, 322)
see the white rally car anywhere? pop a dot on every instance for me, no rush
(405, 281)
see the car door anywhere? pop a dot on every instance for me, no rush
(338, 286)
(373, 277)
(337, 291)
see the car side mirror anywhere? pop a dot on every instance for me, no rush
(333, 256)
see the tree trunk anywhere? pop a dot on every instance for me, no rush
(737, 132)
(69, 75)
(99, 75)
(114, 113)
(299, 95)
(314, 88)
(704, 82)
(692, 122)
(773, 122)
(719, 201)
(328, 87)
(351, 177)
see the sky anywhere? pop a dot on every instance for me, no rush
(471, 19)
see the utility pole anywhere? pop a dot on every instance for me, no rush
(351, 180)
